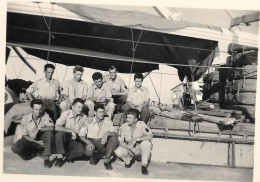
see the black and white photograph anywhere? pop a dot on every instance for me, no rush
(130, 91)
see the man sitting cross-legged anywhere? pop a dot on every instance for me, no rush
(69, 126)
(37, 129)
(135, 140)
(102, 136)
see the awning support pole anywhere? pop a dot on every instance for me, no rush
(23, 59)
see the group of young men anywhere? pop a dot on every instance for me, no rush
(84, 129)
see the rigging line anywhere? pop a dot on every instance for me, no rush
(49, 40)
(64, 75)
(139, 61)
(134, 49)
(43, 16)
(161, 81)
(155, 89)
(122, 40)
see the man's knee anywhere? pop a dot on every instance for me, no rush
(60, 135)
(111, 105)
(63, 106)
(113, 140)
(146, 145)
(15, 148)
(121, 151)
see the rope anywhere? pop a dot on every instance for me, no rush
(133, 49)
(146, 62)
(49, 38)
(121, 40)
(43, 17)
(155, 89)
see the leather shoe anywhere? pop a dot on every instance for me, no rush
(47, 163)
(58, 162)
(108, 166)
(144, 170)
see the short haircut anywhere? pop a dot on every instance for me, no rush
(97, 75)
(134, 112)
(78, 100)
(46, 66)
(112, 67)
(78, 68)
(99, 106)
(139, 76)
(36, 101)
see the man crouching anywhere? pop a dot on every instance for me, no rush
(38, 134)
(102, 136)
(135, 140)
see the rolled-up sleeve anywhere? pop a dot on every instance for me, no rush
(83, 130)
(24, 130)
(62, 119)
(32, 88)
(90, 91)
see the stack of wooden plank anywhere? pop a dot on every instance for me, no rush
(214, 85)
(240, 88)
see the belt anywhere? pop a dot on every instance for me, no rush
(45, 98)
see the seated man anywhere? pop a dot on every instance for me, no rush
(48, 90)
(138, 98)
(74, 88)
(101, 135)
(100, 93)
(37, 130)
(117, 86)
(69, 126)
(135, 139)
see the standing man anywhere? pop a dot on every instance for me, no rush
(135, 140)
(101, 135)
(138, 98)
(117, 86)
(99, 93)
(69, 127)
(74, 88)
(48, 90)
(37, 129)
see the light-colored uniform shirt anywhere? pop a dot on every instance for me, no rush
(138, 97)
(118, 84)
(95, 130)
(29, 126)
(75, 90)
(103, 92)
(126, 134)
(78, 125)
(43, 88)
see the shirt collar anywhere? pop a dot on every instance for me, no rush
(72, 80)
(31, 118)
(45, 79)
(135, 89)
(95, 87)
(71, 116)
(95, 121)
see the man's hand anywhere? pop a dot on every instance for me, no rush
(40, 143)
(104, 139)
(90, 147)
(73, 135)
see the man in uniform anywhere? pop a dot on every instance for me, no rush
(74, 88)
(102, 136)
(135, 140)
(46, 89)
(37, 129)
(99, 93)
(68, 128)
(138, 98)
(117, 86)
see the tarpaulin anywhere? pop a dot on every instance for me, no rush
(68, 36)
